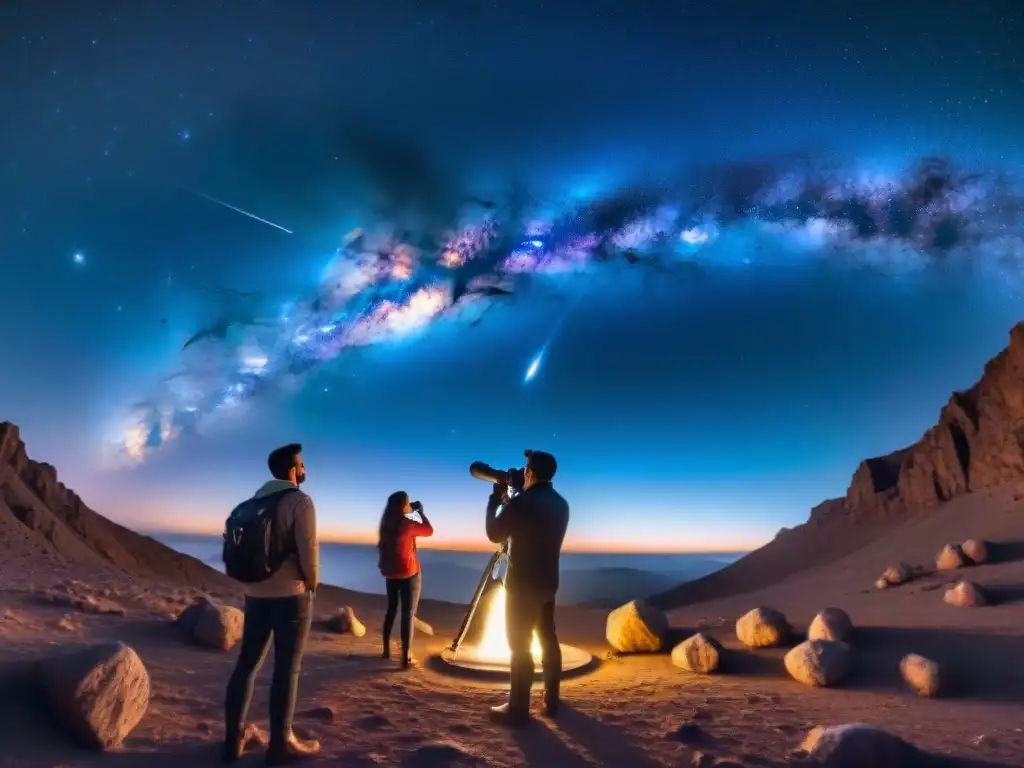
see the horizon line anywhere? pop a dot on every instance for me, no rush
(475, 546)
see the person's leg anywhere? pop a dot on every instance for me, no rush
(291, 628)
(389, 615)
(520, 620)
(548, 637)
(410, 597)
(255, 642)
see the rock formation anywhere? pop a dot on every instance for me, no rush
(819, 662)
(831, 624)
(38, 505)
(978, 443)
(921, 675)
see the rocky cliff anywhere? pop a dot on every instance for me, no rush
(978, 443)
(38, 511)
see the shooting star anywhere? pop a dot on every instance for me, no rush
(244, 213)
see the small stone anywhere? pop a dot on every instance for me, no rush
(976, 550)
(950, 558)
(856, 745)
(688, 733)
(219, 627)
(831, 624)
(422, 626)
(636, 627)
(701, 759)
(898, 574)
(345, 622)
(763, 627)
(819, 662)
(699, 653)
(921, 675)
(882, 583)
(324, 714)
(965, 594)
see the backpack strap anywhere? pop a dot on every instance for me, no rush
(285, 539)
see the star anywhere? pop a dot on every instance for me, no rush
(79, 258)
(184, 134)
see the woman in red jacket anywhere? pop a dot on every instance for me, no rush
(400, 566)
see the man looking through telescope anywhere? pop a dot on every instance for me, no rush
(533, 523)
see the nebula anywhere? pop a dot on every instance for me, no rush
(392, 280)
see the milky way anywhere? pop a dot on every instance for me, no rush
(386, 283)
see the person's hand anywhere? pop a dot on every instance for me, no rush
(500, 491)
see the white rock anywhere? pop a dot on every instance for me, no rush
(345, 622)
(763, 627)
(818, 662)
(921, 674)
(700, 654)
(965, 594)
(99, 693)
(976, 550)
(950, 558)
(831, 624)
(636, 627)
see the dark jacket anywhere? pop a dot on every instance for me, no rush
(534, 524)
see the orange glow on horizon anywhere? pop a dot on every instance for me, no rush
(332, 536)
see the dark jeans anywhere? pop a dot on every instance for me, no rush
(287, 620)
(526, 612)
(409, 592)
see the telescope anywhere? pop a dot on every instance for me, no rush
(514, 477)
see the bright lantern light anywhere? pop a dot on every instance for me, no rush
(493, 646)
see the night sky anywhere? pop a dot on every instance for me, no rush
(698, 407)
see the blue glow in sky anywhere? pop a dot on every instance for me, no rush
(705, 409)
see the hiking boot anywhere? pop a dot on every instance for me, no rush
(505, 715)
(292, 751)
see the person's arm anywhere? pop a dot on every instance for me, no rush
(500, 527)
(306, 544)
(423, 529)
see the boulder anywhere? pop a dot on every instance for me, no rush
(345, 622)
(975, 550)
(98, 693)
(950, 558)
(921, 675)
(700, 654)
(895, 575)
(763, 627)
(636, 627)
(965, 594)
(831, 624)
(857, 746)
(819, 662)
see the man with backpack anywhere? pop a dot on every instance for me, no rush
(270, 545)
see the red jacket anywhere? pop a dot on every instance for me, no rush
(398, 558)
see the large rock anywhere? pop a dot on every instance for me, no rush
(976, 550)
(950, 558)
(921, 675)
(422, 626)
(212, 625)
(819, 663)
(636, 627)
(700, 654)
(345, 622)
(763, 627)
(859, 746)
(99, 693)
(965, 594)
(832, 624)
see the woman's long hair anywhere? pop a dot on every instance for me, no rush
(391, 519)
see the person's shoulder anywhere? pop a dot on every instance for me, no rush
(296, 499)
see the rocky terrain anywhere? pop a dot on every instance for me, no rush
(886, 631)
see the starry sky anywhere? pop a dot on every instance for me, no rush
(698, 411)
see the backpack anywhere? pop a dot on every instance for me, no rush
(253, 548)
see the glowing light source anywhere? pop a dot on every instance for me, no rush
(534, 367)
(695, 236)
(79, 258)
(493, 646)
